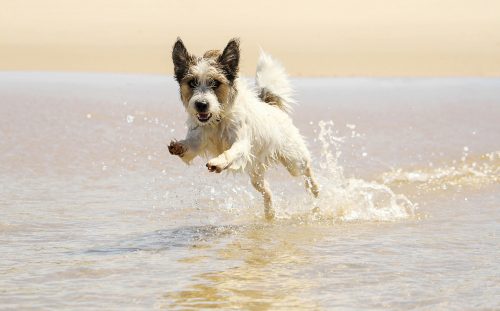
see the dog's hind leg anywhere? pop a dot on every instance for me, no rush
(302, 167)
(311, 184)
(261, 185)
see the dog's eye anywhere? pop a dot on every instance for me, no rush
(215, 84)
(192, 83)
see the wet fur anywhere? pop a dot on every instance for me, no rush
(248, 129)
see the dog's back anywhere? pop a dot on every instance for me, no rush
(273, 83)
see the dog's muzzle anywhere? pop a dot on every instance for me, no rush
(202, 107)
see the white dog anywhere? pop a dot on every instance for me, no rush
(242, 128)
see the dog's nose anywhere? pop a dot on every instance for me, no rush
(201, 106)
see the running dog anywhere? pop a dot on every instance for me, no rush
(240, 128)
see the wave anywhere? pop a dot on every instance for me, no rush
(469, 171)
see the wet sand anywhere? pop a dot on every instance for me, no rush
(94, 212)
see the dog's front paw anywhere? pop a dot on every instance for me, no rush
(176, 148)
(217, 165)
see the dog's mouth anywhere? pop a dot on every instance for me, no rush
(204, 116)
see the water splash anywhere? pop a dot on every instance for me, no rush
(342, 199)
(353, 199)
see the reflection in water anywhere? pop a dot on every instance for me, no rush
(161, 240)
(261, 276)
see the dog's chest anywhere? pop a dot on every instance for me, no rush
(218, 140)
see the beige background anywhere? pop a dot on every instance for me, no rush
(315, 37)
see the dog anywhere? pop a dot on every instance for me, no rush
(242, 128)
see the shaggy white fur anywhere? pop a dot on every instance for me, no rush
(271, 76)
(251, 135)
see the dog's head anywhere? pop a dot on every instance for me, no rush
(206, 83)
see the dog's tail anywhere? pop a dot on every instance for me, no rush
(273, 83)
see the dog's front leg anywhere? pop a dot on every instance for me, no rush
(238, 150)
(188, 148)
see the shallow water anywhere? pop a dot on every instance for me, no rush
(94, 212)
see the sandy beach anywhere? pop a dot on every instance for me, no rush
(312, 38)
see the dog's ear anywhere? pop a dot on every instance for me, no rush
(230, 59)
(181, 59)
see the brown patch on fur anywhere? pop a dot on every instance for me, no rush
(223, 93)
(186, 92)
(212, 54)
(272, 99)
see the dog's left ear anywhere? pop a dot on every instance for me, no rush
(230, 59)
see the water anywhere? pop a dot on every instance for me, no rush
(95, 214)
